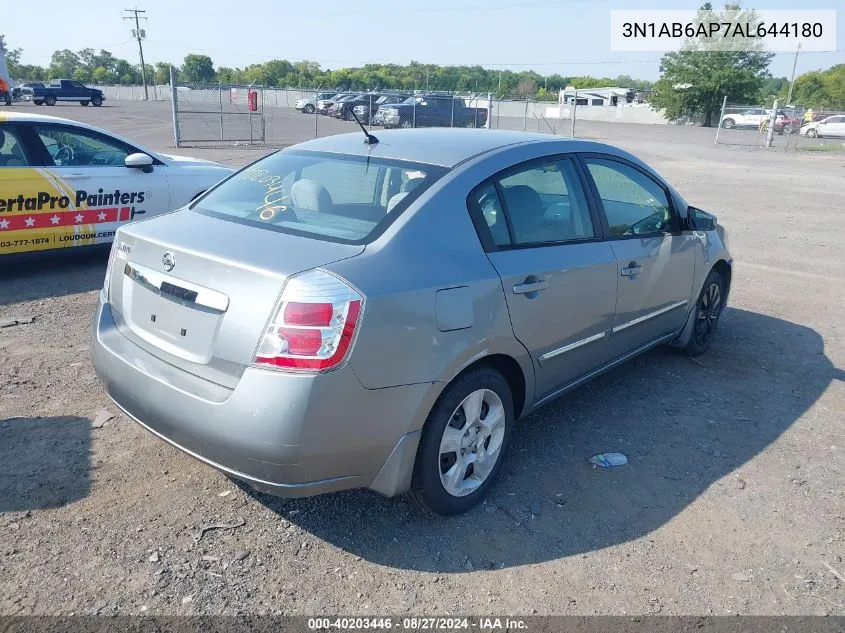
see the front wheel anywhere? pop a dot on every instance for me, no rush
(308, 109)
(728, 124)
(463, 443)
(708, 309)
(97, 101)
(812, 133)
(85, 103)
(38, 102)
(406, 124)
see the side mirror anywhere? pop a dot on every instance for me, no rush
(699, 220)
(140, 161)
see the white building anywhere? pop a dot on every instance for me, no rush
(607, 97)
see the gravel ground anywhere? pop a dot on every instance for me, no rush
(733, 502)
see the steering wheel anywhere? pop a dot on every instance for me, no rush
(650, 224)
(64, 156)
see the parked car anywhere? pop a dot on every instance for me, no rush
(308, 105)
(67, 90)
(433, 111)
(27, 88)
(832, 126)
(338, 104)
(324, 105)
(400, 305)
(66, 184)
(752, 117)
(789, 120)
(344, 109)
(364, 111)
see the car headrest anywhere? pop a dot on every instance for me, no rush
(310, 195)
(411, 184)
(525, 207)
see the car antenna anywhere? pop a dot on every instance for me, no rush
(369, 139)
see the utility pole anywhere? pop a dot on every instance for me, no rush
(792, 81)
(139, 34)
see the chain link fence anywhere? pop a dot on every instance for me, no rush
(218, 114)
(782, 127)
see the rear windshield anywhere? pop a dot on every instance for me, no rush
(334, 197)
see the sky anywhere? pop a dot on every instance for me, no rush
(570, 37)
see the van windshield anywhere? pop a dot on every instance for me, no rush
(340, 198)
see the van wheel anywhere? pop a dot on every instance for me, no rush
(96, 101)
(463, 443)
(50, 100)
(708, 309)
(85, 103)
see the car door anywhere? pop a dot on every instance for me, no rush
(655, 258)
(558, 275)
(103, 193)
(28, 197)
(833, 126)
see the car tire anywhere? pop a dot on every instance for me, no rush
(96, 101)
(308, 109)
(728, 124)
(708, 309)
(485, 390)
(406, 124)
(50, 100)
(38, 102)
(470, 123)
(812, 133)
(85, 103)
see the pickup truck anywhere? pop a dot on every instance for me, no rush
(433, 111)
(63, 90)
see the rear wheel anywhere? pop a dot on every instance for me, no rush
(813, 133)
(470, 123)
(406, 124)
(463, 443)
(728, 124)
(38, 102)
(97, 101)
(50, 100)
(85, 103)
(708, 309)
(308, 109)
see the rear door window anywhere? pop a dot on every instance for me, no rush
(349, 199)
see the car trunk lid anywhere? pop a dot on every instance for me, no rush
(197, 291)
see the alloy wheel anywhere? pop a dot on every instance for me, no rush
(709, 309)
(471, 443)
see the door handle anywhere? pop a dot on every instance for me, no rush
(76, 176)
(631, 270)
(529, 286)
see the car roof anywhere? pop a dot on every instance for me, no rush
(446, 147)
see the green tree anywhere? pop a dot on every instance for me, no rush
(161, 75)
(101, 75)
(197, 69)
(695, 79)
(63, 64)
(820, 89)
(82, 75)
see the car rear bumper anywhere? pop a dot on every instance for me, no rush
(287, 434)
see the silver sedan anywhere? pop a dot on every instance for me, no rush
(343, 314)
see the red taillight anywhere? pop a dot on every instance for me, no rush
(313, 314)
(315, 324)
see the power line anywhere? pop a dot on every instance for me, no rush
(139, 34)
